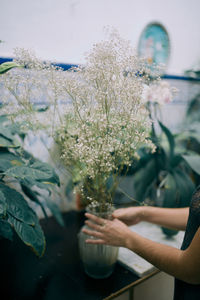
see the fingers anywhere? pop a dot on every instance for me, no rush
(97, 226)
(116, 214)
(95, 219)
(120, 211)
(93, 233)
(100, 242)
(94, 226)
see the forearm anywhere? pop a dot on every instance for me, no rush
(166, 258)
(174, 218)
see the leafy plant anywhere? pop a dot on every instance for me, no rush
(23, 177)
(166, 176)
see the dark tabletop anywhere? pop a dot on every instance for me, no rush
(59, 274)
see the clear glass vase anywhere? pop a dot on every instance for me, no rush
(98, 260)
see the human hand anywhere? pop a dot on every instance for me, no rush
(129, 215)
(108, 232)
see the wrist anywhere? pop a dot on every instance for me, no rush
(143, 213)
(130, 240)
(127, 240)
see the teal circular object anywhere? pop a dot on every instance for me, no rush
(154, 45)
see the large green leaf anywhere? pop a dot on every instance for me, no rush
(32, 236)
(143, 178)
(6, 133)
(5, 143)
(45, 168)
(170, 139)
(31, 194)
(7, 138)
(5, 67)
(146, 178)
(3, 205)
(174, 162)
(145, 156)
(38, 171)
(27, 156)
(17, 205)
(42, 185)
(6, 230)
(178, 189)
(193, 161)
(185, 187)
(8, 160)
(53, 207)
(170, 192)
(17, 129)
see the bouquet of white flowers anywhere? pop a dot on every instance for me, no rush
(103, 120)
(107, 121)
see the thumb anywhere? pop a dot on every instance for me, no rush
(117, 213)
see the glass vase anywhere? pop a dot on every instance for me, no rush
(98, 260)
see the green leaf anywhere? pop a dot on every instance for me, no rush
(170, 139)
(17, 205)
(32, 195)
(5, 143)
(27, 156)
(32, 236)
(7, 138)
(193, 161)
(47, 172)
(38, 171)
(8, 160)
(28, 191)
(175, 161)
(6, 230)
(16, 128)
(178, 189)
(6, 133)
(31, 182)
(55, 211)
(5, 67)
(3, 204)
(144, 178)
(185, 187)
(169, 192)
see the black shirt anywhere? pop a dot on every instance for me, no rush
(183, 290)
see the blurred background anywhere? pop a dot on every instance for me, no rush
(63, 30)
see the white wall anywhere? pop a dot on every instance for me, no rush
(62, 30)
